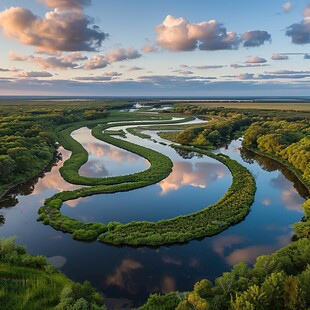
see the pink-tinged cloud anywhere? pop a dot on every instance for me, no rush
(279, 57)
(60, 30)
(150, 49)
(256, 60)
(16, 57)
(65, 4)
(287, 6)
(71, 60)
(122, 54)
(177, 34)
(102, 61)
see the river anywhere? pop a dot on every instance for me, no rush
(126, 275)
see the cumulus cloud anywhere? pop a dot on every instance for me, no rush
(256, 60)
(34, 74)
(122, 54)
(150, 49)
(177, 34)
(287, 6)
(66, 28)
(96, 62)
(277, 56)
(300, 32)
(66, 61)
(255, 38)
(101, 61)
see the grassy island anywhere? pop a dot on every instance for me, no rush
(212, 220)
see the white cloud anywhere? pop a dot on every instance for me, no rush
(177, 34)
(63, 29)
(102, 61)
(150, 49)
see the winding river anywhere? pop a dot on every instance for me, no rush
(126, 275)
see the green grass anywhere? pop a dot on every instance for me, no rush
(137, 132)
(230, 209)
(29, 289)
(207, 222)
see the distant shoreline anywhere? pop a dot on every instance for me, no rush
(172, 99)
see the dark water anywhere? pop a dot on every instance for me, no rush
(125, 275)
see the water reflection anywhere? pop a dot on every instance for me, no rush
(105, 159)
(57, 261)
(128, 275)
(266, 202)
(2, 219)
(188, 155)
(122, 276)
(250, 253)
(223, 243)
(233, 248)
(199, 174)
(168, 284)
(54, 180)
(170, 260)
(270, 165)
(290, 198)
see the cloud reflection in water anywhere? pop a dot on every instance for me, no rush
(196, 175)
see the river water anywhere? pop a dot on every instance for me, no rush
(126, 275)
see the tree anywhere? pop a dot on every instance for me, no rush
(7, 165)
(253, 299)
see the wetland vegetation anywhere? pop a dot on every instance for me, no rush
(29, 133)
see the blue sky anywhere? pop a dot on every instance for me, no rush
(175, 47)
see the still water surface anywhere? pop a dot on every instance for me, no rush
(125, 275)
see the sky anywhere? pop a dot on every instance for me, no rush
(155, 48)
